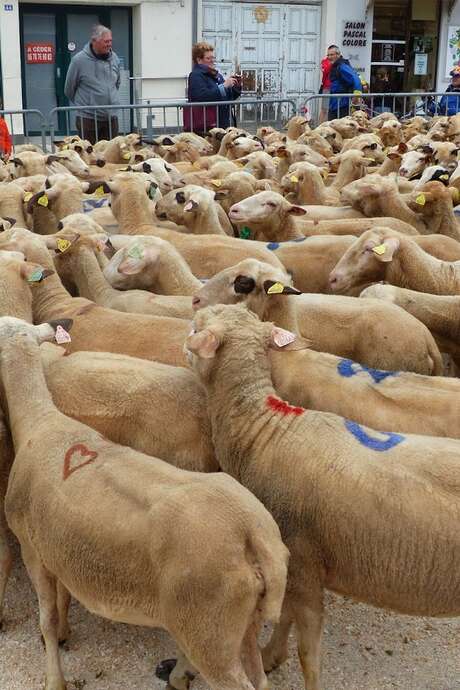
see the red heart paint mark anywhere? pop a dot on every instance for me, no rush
(84, 453)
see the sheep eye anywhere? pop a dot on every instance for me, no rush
(180, 198)
(168, 169)
(271, 203)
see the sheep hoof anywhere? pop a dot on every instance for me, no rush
(164, 668)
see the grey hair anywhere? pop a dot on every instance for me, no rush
(98, 31)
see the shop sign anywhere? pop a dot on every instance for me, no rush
(356, 44)
(420, 63)
(39, 53)
(453, 48)
(354, 35)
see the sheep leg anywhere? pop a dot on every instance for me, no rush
(182, 674)
(276, 651)
(309, 619)
(45, 586)
(6, 563)
(252, 658)
(63, 603)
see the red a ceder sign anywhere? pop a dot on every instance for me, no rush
(37, 53)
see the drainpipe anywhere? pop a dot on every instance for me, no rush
(194, 21)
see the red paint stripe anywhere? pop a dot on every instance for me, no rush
(283, 407)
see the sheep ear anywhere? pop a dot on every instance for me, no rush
(402, 147)
(62, 242)
(203, 344)
(273, 287)
(297, 211)
(222, 194)
(244, 285)
(384, 252)
(393, 155)
(96, 184)
(191, 205)
(34, 273)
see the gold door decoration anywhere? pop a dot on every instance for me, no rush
(261, 13)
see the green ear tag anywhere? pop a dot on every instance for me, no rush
(136, 252)
(36, 276)
(245, 233)
(152, 192)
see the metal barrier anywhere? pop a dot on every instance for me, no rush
(404, 105)
(152, 118)
(26, 126)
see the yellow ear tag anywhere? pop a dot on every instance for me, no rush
(43, 201)
(444, 177)
(196, 165)
(28, 196)
(217, 183)
(65, 147)
(455, 195)
(294, 178)
(379, 249)
(126, 156)
(420, 200)
(276, 161)
(99, 191)
(63, 245)
(275, 289)
(324, 174)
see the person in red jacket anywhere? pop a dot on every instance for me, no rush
(5, 140)
(326, 65)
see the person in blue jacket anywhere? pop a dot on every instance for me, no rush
(450, 102)
(205, 83)
(344, 79)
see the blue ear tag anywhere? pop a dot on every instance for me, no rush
(245, 233)
(36, 276)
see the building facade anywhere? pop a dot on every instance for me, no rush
(277, 45)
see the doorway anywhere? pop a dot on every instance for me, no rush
(405, 45)
(50, 36)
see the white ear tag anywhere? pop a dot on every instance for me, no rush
(282, 337)
(61, 336)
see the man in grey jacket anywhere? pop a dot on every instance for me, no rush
(93, 78)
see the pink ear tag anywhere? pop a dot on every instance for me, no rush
(283, 338)
(188, 206)
(61, 336)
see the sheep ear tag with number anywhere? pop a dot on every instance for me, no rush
(245, 233)
(276, 289)
(99, 191)
(126, 156)
(281, 338)
(63, 245)
(61, 336)
(216, 183)
(294, 178)
(28, 196)
(36, 276)
(420, 200)
(152, 192)
(43, 201)
(379, 249)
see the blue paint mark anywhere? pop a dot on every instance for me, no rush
(348, 368)
(90, 204)
(363, 437)
(273, 245)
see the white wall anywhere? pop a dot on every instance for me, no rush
(335, 13)
(11, 56)
(441, 80)
(163, 33)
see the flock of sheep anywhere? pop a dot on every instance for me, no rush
(212, 437)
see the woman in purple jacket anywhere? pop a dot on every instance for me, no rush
(205, 83)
